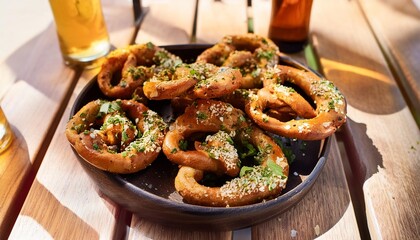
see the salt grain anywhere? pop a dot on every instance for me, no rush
(317, 230)
(293, 233)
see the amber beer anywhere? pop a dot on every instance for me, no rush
(81, 30)
(6, 134)
(289, 24)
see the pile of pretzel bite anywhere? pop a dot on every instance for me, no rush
(226, 105)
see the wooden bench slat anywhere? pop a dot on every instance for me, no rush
(382, 138)
(63, 201)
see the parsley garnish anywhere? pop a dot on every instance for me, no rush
(201, 116)
(183, 145)
(150, 45)
(276, 169)
(245, 170)
(95, 146)
(265, 54)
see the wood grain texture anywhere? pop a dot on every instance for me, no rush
(396, 25)
(143, 229)
(382, 136)
(31, 92)
(325, 212)
(317, 204)
(313, 217)
(167, 23)
(216, 19)
(62, 198)
(58, 201)
(20, 29)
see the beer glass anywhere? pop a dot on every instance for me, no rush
(81, 30)
(6, 134)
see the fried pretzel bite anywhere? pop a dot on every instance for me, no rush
(205, 116)
(250, 53)
(256, 183)
(196, 80)
(329, 115)
(276, 107)
(126, 69)
(217, 154)
(122, 136)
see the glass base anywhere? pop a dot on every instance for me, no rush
(291, 47)
(88, 62)
(6, 138)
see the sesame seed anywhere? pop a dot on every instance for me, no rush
(220, 148)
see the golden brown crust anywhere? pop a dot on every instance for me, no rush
(124, 70)
(105, 134)
(329, 115)
(196, 80)
(250, 53)
(225, 127)
(257, 183)
(203, 116)
(241, 72)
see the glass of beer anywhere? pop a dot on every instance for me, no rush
(6, 134)
(289, 24)
(81, 30)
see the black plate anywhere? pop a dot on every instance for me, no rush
(151, 193)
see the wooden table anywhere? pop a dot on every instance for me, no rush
(369, 187)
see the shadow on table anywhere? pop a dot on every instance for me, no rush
(325, 206)
(39, 61)
(45, 220)
(364, 86)
(357, 170)
(23, 171)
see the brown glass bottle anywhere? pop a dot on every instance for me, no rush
(289, 24)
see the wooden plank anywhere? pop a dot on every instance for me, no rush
(58, 201)
(325, 212)
(19, 38)
(325, 222)
(216, 19)
(396, 25)
(382, 138)
(167, 22)
(331, 179)
(62, 198)
(143, 229)
(32, 87)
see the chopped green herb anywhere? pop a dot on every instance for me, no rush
(183, 145)
(201, 116)
(331, 104)
(276, 169)
(150, 45)
(104, 108)
(245, 170)
(79, 127)
(251, 151)
(95, 147)
(265, 54)
(124, 136)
